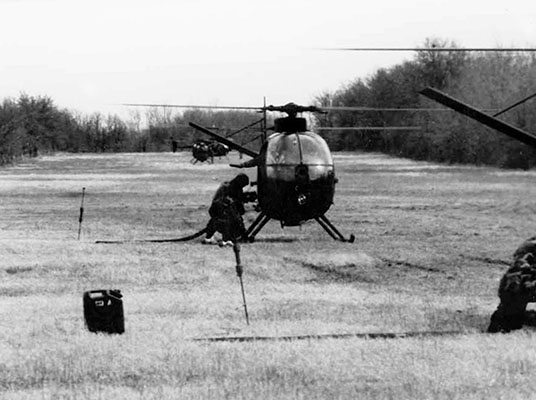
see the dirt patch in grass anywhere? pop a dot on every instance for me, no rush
(410, 265)
(346, 267)
(17, 270)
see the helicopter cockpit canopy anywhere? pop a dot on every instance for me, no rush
(286, 151)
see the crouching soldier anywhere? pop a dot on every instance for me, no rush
(517, 288)
(226, 212)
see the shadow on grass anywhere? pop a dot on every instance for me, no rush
(470, 319)
(274, 239)
(465, 320)
(70, 194)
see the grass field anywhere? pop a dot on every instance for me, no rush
(432, 242)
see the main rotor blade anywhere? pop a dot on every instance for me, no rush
(407, 109)
(436, 49)
(269, 108)
(191, 106)
(370, 128)
(245, 128)
(485, 119)
(215, 128)
(517, 103)
(327, 108)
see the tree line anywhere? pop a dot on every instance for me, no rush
(491, 81)
(30, 126)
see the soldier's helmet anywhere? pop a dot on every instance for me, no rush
(239, 181)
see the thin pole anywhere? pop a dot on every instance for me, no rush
(239, 271)
(81, 218)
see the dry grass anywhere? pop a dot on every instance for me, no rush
(430, 244)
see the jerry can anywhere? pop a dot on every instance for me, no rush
(103, 311)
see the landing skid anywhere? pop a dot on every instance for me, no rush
(324, 222)
(332, 230)
(195, 161)
(255, 227)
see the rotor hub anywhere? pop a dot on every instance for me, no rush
(290, 125)
(292, 109)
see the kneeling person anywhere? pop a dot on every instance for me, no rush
(226, 212)
(517, 288)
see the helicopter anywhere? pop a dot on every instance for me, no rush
(206, 150)
(295, 172)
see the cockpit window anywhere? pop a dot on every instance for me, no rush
(292, 149)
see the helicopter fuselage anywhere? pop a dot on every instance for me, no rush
(204, 150)
(295, 177)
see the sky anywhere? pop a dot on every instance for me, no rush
(92, 55)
